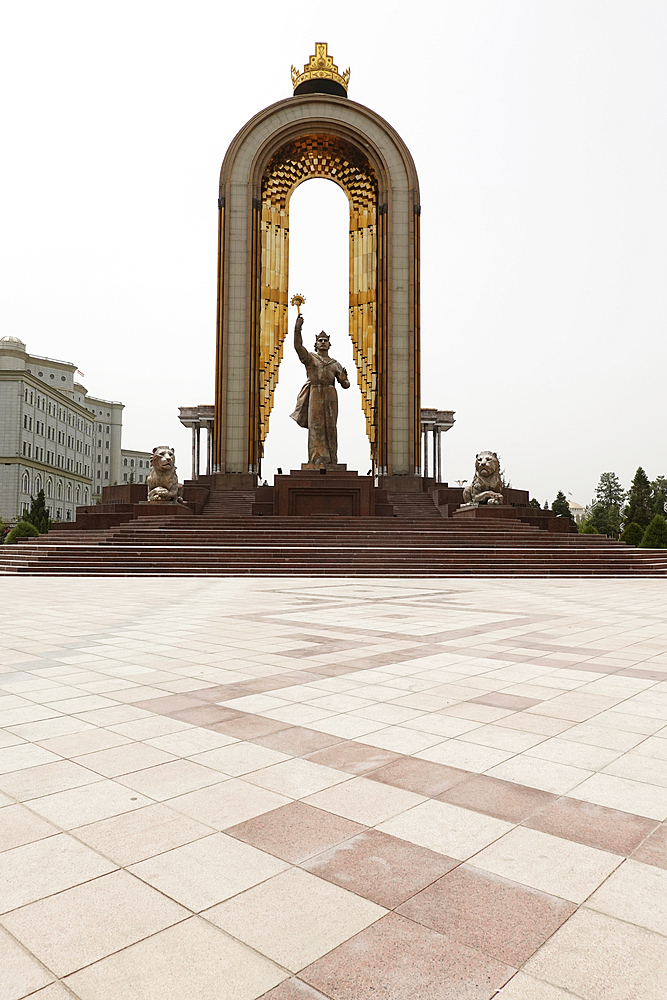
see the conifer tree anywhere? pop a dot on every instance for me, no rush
(659, 486)
(632, 534)
(606, 512)
(609, 490)
(639, 507)
(38, 514)
(606, 520)
(655, 536)
(535, 503)
(562, 507)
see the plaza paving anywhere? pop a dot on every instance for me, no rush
(357, 790)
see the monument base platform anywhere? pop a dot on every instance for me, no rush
(544, 519)
(309, 467)
(420, 540)
(329, 490)
(148, 509)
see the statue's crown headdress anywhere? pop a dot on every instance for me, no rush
(320, 67)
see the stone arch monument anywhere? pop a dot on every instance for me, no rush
(318, 132)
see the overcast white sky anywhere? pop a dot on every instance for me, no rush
(538, 132)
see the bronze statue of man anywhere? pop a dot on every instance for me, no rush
(317, 403)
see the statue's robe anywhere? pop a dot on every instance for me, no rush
(317, 407)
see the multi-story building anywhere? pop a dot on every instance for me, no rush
(107, 434)
(135, 466)
(53, 435)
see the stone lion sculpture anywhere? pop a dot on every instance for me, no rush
(162, 481)
(487, 484)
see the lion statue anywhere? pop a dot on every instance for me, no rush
(487, 485)
(162, 481)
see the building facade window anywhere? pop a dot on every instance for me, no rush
(25, 485)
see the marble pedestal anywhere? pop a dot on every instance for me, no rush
(330, 491)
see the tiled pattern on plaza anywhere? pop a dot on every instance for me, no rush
(296, 789)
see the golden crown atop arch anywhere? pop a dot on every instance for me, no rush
(320, 67)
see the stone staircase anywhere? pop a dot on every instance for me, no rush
(229, 503)
(416, 542)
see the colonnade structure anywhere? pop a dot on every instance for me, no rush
(434, 423)
(196, 418)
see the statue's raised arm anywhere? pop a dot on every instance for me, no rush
(298, 342)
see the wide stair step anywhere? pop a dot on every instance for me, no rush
(418, 542)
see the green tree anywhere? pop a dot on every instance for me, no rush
(639, 507)
(22, 530)
(585, 528)
(38, 515)
(655, 536)
(562, 507)
(609, 490)
(546, 505)
(606, 520)
(605, 514)
(535, 503)
(659, 486)
(632, 533)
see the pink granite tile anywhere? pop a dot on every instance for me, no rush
(298, 677)
(495, 797)
(248, 727)
(356, 758)
(420, 776)
(501, 918)
(398, 959)
(204, 715)
(593, 825)
(331, 669)
(221, 692)
(298, 741)
(379, 867)
(171, 703)
(293, 989)
(653, 851)
(295, 831)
